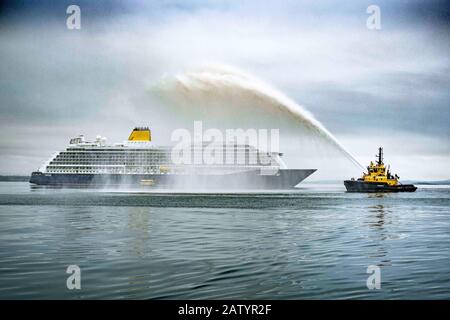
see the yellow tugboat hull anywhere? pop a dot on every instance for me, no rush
(363, 186)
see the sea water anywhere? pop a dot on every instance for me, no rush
(316, 242)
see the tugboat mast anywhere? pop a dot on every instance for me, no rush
(380, 156)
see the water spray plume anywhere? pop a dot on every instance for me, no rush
(212, 81)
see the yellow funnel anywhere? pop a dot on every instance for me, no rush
(140, 134)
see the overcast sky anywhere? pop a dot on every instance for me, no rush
(385, 87)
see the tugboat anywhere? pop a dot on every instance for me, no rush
(378, 179)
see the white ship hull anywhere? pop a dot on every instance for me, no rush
(284, 179)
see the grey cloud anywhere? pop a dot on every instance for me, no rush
(94, 81)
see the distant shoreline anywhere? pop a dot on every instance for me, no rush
(14, 178)
(20, 178)
(419, 182)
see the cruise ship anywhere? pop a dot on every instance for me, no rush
(138, 162)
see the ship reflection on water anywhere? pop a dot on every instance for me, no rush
(379, 220)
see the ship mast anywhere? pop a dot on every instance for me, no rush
(380, 156)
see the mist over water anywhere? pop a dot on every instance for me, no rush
(220, 91)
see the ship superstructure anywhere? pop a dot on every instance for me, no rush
(138, 161)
